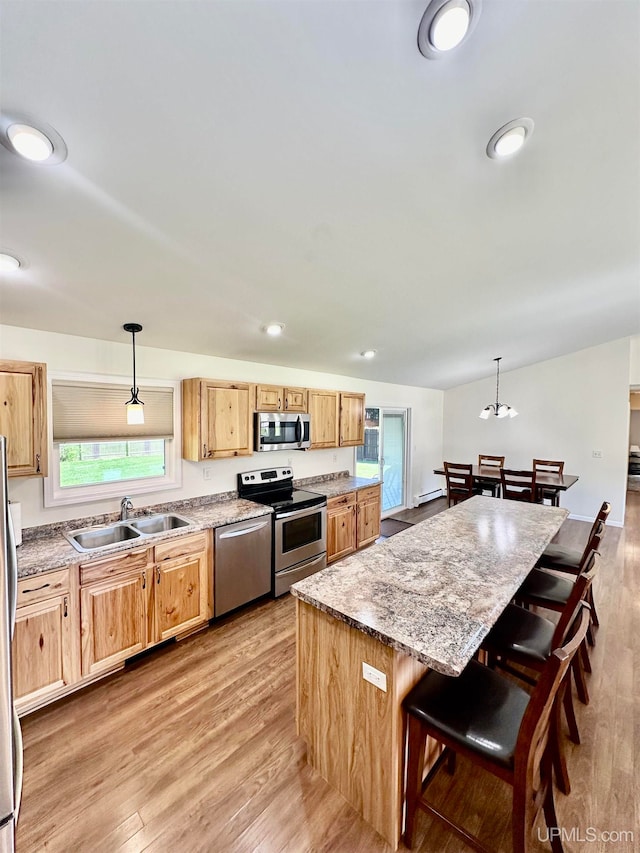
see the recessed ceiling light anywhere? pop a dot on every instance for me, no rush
(32, 140)
(274, 329)
(445, 25)
(368, 353)
(8, 263)
(29, 142)
(509, 138)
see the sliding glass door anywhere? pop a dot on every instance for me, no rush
(384, 454)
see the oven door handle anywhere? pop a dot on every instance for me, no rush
(299, 512)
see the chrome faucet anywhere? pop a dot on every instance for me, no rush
(125, 506)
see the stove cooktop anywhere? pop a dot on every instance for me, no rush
(274, 487)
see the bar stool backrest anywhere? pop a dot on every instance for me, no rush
(535, 727)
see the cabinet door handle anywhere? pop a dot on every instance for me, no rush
(158, 574)
(286, 403)
(144, 580)
(37, 463)
(66, 607)
(280, 402)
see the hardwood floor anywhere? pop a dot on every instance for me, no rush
(193, 748)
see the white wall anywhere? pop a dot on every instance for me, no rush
(568, 407)
(75, 354)
(634, 362)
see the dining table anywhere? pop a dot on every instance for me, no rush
(485, 473)
(369, 627)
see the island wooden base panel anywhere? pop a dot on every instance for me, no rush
(194, 748)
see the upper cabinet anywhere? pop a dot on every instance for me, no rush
(216, 419)
(337, 419)
(23, 417)
(276, 398)
(324, 408)
(351, 419)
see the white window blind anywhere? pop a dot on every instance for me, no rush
(90, 411)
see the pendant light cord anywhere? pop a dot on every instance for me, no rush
(497, 380)
(134, 390)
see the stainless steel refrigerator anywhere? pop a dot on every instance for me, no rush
(10, 734)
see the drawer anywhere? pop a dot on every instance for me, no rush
(100, 570)
(42, 586)
(341, 501)
(185, 546)
(371, 493)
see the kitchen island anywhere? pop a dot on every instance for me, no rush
(424, 598)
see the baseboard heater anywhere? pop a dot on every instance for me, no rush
(427, 496)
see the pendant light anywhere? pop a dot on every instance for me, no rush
(135, 412)
(500, 410)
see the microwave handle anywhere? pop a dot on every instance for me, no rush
(299, 430)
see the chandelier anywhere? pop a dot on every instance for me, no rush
(500, 410)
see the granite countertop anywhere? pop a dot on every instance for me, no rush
(49, 550)
(435, 589)
(338, 486)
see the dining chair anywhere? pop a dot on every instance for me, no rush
(518, 485)
(492, 486)
(527, 639)
(547, 466)
(494, 723)
(460, 485)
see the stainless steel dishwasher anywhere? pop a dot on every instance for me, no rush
(241, 563)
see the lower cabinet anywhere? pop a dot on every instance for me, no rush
(114, 607)
(142, 597)
(181, 585)
(353, 521)
(341, 526)
(46, 639)
(368, 521)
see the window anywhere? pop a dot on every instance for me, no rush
(95, 454)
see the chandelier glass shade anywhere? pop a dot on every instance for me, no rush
(498, 409)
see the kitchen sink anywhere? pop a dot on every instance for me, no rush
(95, 538)
(160, 523)
(92, 538)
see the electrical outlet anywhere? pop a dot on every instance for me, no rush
(374, 676)
(597, 454)
(207, 473)
(335, 457)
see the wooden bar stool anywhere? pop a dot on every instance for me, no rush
(527, 639)
(492, 722)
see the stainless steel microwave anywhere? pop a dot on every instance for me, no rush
(281, 431)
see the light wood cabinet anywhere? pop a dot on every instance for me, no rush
(114, 619)
(337, 418)
(216, 419)
(324, 409)
(353, 521)
(182, 601)
(141, 597)
(276, 398)
(341, 526)
(23, 417)
(351, 419)
(45, 647)
(368, 512)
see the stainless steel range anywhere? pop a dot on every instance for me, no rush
(299, 524)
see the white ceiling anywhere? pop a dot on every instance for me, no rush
(233, 163)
